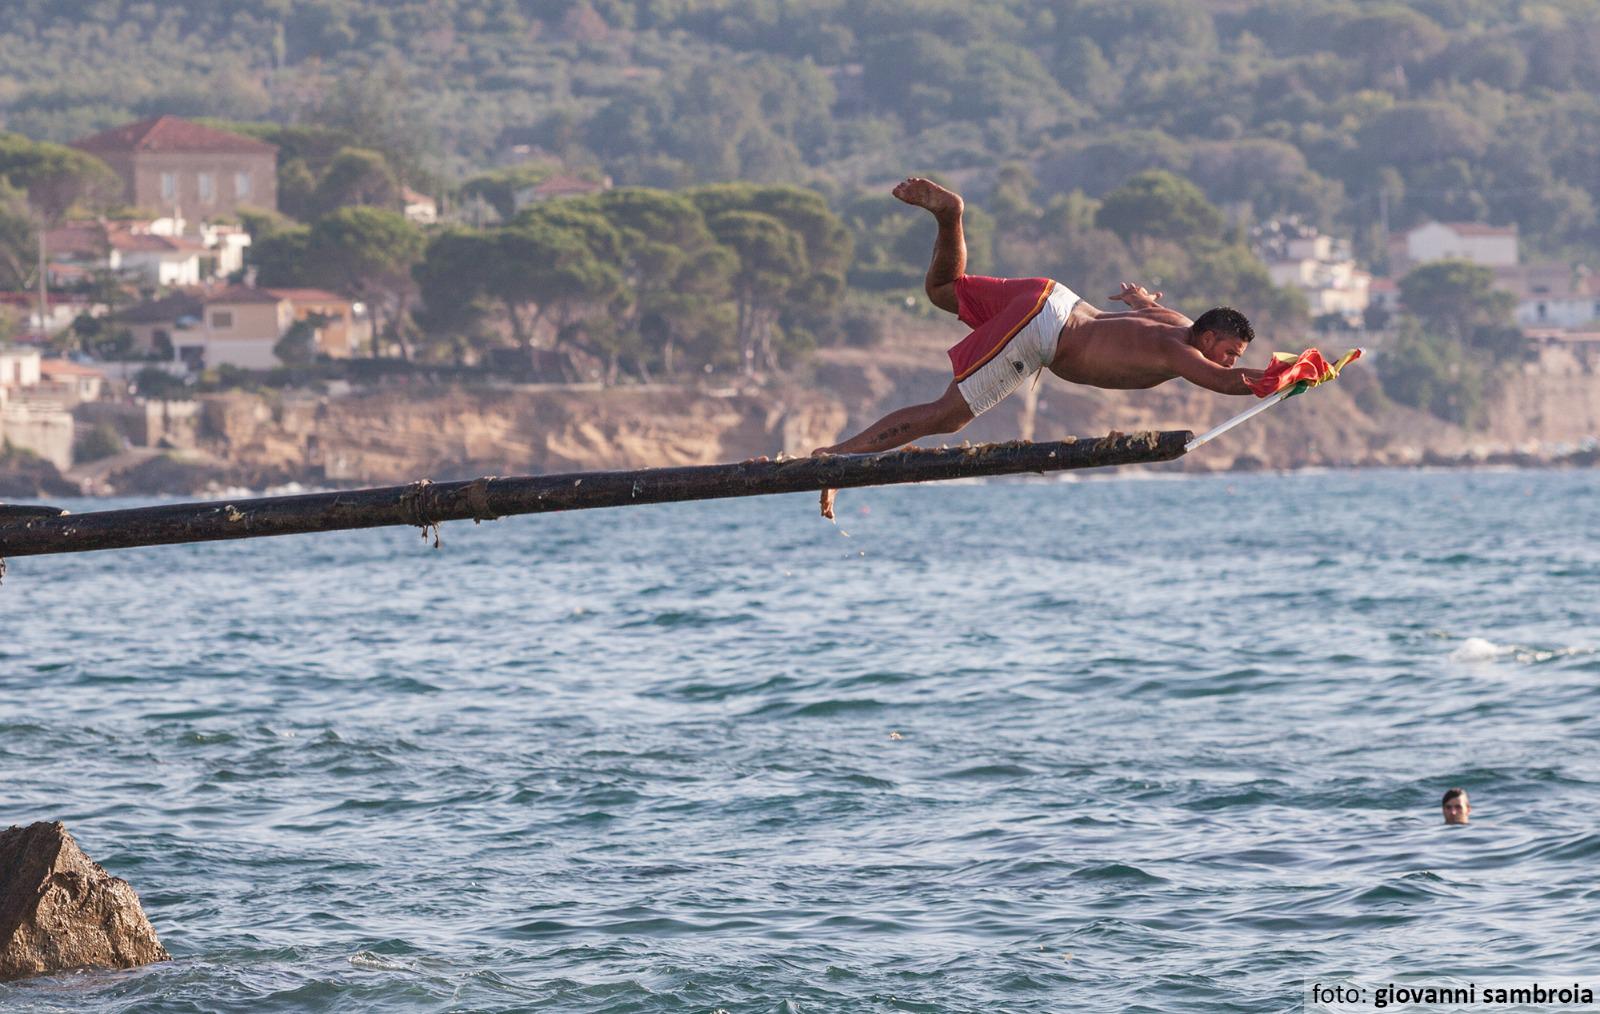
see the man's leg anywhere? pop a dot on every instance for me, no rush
(949, 247)
(947, 414)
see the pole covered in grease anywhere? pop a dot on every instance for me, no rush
(427, 504)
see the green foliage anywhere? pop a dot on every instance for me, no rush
(452, 282)
(298, 346)
(1433, 373)
(282, 258)
(1159, 205)
(793, 252)
(675, 93)
(100, 338)
(261, 224)
(101, 442)
(19, 240)
(159, 385)
(368, 254)
(55, 177)
(499, 188)
(1455, 299)
(1451, 109)
(1454, 337)
(356, 177)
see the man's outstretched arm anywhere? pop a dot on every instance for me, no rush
(1187, 362)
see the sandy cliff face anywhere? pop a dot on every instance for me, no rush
(397, 436)
(1559, 403)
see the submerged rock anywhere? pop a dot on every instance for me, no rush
(59, 910)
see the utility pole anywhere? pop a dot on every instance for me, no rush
(44, 296)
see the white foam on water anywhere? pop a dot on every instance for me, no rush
(1479, 649)
(380, 963)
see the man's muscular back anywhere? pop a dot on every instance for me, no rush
(1130, 349)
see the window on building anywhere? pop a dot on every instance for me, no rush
(208, 186)
(169, 186)
(241, 184)
(221, 318)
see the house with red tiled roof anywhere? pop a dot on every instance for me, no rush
(61, 309)
(342, 327)
(161, 260)
(241, 326)
(78, 383)
(558, 186)
(126, 249)
(171, 324)
(172, 165)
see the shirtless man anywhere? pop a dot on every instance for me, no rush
(1023, 325)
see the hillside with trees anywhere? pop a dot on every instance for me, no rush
(1450, 109)
(751, 141)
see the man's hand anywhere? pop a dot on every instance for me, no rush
(1137, 296)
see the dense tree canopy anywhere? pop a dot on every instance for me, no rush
(1104, 138)
(1445, 109)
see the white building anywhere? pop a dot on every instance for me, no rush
(418, 207)
(1553, 295)
(29, 418)
(1492, 246)
(226, 244)
(18, 368)
(1321, 267)
(161, 261)
(157, 252)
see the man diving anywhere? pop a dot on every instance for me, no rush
(1023, 325)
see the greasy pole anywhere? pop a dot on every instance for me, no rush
(426, 504)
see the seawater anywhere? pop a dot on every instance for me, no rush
(1109, 745)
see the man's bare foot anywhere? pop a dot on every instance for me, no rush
(928, 194)
(827, 502)
(827, 494)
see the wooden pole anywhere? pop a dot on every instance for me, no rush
(426, 504)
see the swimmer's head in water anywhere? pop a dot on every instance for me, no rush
(1457, 807)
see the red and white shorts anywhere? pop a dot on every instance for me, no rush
(1016, 323)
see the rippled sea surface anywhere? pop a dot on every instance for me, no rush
(1164, 745)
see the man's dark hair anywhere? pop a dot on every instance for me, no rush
(1450, 794)
(1224, 320)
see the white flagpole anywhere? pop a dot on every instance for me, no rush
(1217, 431)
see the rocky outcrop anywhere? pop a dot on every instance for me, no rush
(25, 477)
(59, 910)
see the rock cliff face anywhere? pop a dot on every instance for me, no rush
(59, 910)
(393, 436)
(1559, 403)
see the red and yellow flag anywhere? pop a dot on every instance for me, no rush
(1308, 369)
